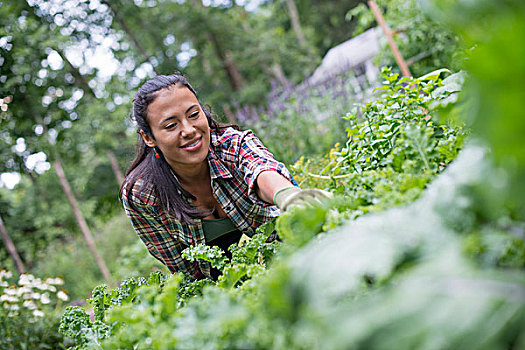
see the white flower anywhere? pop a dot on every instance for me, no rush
(40, 285)
(55, 281)
(25, 279)
(4, 284)
(8, 298)
(45, 298)
(51, 288)
(23, 290)
(62, 296)
(15, 307)
(35, 295)
(29, 304)
(10, 291)
(5, 274)
(38, 313)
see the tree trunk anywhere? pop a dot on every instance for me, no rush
(228, 63)
(294, 19)
(10, 246)
(116, 169)
(80, 218)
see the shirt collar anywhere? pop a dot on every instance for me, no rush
(217, 168)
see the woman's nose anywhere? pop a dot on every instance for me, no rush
(187, 129)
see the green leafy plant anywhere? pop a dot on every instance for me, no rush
(397, 129)
(248, 258)
(76, 323)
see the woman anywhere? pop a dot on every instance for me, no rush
(195, 181)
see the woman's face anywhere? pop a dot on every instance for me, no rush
(179, 127)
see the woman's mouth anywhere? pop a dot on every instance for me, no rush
(193, 145)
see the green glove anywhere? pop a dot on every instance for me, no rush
(289, 196)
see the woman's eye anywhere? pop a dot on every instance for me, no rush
(194, 114)
(170, 126)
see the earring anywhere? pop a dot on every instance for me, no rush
(156, 154)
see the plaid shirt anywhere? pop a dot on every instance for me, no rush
(235, 160)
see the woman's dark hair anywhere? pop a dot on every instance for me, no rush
(156, 171)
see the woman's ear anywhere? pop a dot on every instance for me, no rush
(148, 139)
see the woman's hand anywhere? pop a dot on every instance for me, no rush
(274, 188)
(294, 196)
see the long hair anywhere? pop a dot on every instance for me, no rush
(156, 171)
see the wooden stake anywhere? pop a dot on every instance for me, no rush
(388, 33)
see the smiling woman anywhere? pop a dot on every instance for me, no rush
(195, 181)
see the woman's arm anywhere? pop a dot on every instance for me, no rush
(268, 183)
(262, 172)
(269, 179)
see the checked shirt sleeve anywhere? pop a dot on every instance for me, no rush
(150, 227)
(254, 158)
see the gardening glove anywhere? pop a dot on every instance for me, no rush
(289, 196)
